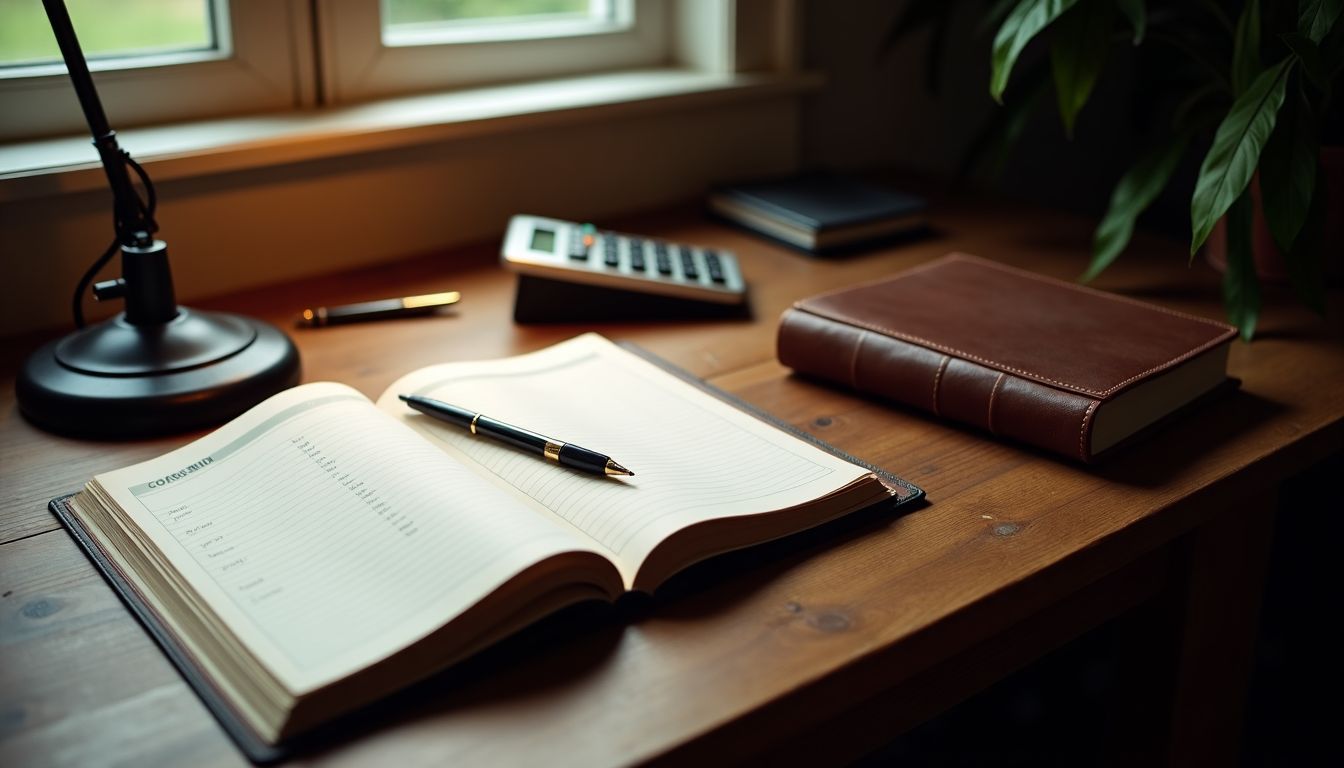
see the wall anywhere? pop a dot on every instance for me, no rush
(233, 230)
(876, 110)
(229, 231)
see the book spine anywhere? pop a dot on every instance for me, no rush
(945, 385)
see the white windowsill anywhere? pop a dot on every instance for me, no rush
(45, 167)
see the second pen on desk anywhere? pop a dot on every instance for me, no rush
(381, 309)
(564, 454)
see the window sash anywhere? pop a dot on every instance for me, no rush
(263, 64)
(358, 64)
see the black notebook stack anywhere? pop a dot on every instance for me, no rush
(819, 212)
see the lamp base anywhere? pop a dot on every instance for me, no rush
(117, 380)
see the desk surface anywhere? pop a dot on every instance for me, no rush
(890, 620)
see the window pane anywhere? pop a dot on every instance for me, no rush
(423, 12)
(106, 28)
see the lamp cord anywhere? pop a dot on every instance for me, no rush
(146, 207)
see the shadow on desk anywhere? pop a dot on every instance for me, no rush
(1159, 454)
(587, 636)
(1103, 699)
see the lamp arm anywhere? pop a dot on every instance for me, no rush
(133, 228)
(147, 283)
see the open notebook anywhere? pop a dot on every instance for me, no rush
(322, 551)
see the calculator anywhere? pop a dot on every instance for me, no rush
(582, 253)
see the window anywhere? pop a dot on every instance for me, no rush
(168, 61)
(373, 49)
(420, 22)
(130, 28)
(153, 61)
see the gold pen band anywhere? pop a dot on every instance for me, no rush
(474, 419)
(552, 450)
(431, 300)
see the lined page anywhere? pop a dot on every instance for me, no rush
(694, 457)
(327, 535)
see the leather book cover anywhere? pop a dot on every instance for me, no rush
(1017, 354)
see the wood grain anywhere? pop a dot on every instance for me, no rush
(740, 656)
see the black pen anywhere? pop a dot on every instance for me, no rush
(565, 454)
(378, 310)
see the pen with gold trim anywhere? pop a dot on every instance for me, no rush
(564, 454)
(378, 310)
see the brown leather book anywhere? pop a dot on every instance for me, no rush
(1063, 367)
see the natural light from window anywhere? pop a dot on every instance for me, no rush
(417, 22)
(106, 29)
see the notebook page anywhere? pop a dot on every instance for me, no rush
(695, 458)
(327, 535)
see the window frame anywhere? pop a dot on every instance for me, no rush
(367, 67)
(263, 63)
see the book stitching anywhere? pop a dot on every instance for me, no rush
(801, 305)
(1082, 429)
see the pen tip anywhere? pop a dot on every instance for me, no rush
(405, 398)
(613, 468)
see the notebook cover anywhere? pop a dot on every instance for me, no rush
(258, 751)
(822, 202)
(1013, 352)
(255, 749)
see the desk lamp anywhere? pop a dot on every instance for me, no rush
(156, 367)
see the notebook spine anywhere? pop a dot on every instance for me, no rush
(945, 385)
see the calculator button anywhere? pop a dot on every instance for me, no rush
(637, 262)
(664, 262)
(578, 248)
(714, 266)
(688, 267)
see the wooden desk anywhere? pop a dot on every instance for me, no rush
(821, 647)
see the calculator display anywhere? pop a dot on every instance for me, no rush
(543, 240)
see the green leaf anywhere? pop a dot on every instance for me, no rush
(1135, 191)
(993, 17)
(1241, 286)
(1024, 22)
(1317, 17)
(1137, 13)
(1246, 48)
(1310, 55)
(1077, 54)
(1306, 261)
(1288, 170)
(1228, 166)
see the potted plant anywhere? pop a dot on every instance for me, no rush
(1248, 84)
